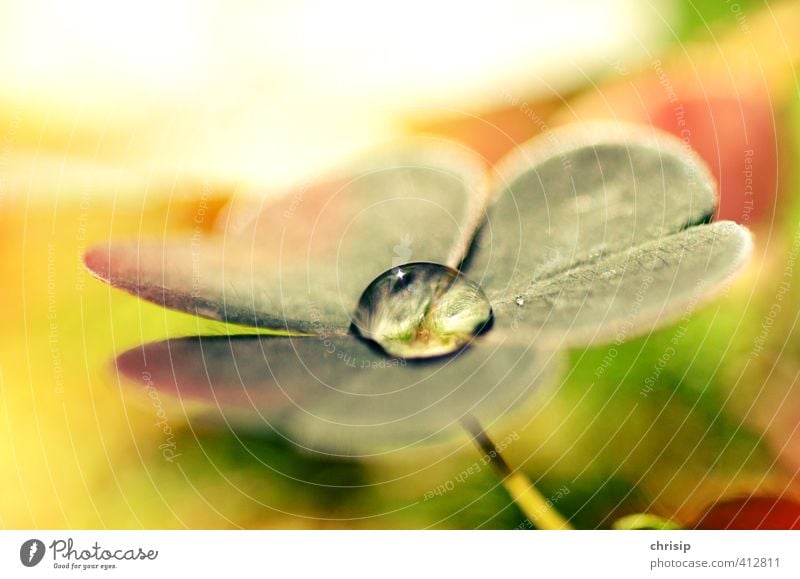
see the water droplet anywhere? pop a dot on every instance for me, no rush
(520, 301)
(421, 310)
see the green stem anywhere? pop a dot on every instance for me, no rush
(527, 497)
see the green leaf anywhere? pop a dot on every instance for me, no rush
(644, 521)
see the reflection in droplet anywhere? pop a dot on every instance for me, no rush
(421, 310)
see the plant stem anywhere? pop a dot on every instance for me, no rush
(527, 497)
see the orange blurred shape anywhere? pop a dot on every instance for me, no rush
(736, 137)
(497, 132)
(751, 513)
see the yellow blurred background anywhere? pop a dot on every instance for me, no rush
(120, 120)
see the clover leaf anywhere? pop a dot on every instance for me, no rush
(582, 236)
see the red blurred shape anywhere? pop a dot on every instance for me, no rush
(736, 137)
(751, 513)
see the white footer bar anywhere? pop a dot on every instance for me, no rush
(415, 554)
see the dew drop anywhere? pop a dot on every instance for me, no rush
(421, 310)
